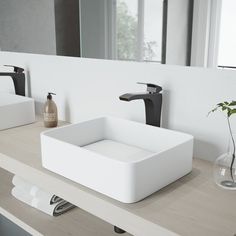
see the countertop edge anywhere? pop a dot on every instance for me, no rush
(89, 202)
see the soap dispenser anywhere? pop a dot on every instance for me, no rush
(50, 112)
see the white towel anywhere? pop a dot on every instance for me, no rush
(53, 209)
(35, 191)
(6, 68)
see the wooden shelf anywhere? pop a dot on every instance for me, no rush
(75, 222)
(193, 205)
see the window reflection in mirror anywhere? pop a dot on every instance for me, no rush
(139, 30)
(122, 29)
(227, 37)
(105, 29)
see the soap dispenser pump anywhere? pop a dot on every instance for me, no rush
(50, 112)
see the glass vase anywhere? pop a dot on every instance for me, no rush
(225, 167)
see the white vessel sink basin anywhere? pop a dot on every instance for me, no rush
(122, 159)
(15, 110)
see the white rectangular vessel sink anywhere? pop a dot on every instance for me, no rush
(122, 159)
(15, 110)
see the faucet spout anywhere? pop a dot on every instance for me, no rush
(134, 96)
(153, 103)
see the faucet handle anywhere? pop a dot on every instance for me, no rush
(16, 68)
(152, 88)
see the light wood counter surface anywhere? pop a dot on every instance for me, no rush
(193, 205)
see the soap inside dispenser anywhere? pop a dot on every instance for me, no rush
(50, 116)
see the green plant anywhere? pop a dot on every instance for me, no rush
(229, 108)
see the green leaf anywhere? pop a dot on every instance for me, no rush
(233, 103)
(233, 111)
(225, 106)
(213, 110)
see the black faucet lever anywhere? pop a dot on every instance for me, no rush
(152, 88)
(153, 102)
(18, 78)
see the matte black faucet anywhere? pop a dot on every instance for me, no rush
(18, 78)
(153, 101)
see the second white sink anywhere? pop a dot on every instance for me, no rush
(122, 159)
(15, 110)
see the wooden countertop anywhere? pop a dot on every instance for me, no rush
(193, 205)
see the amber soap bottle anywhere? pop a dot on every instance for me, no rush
(50, 112)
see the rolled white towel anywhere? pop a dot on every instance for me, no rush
(4, 68)
(53, 209)
(35, 191)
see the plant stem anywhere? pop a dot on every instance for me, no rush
(232, 161)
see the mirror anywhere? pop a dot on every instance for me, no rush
(106, 29)
(41, 27)
(122, 29)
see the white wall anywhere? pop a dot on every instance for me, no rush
(88, 87)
